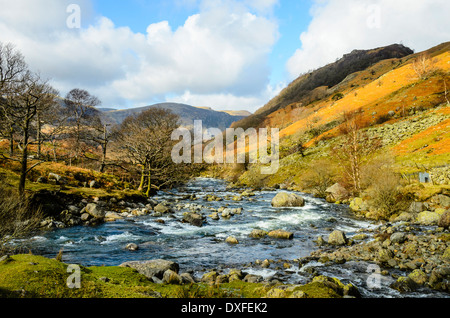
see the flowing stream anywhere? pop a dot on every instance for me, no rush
(199, 249)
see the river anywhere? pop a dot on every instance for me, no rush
(199, 249)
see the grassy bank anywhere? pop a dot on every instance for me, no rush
(30, 276)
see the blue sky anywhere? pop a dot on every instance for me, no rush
(225, 54)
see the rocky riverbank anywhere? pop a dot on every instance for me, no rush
(409, 249)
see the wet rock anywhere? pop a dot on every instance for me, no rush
(281, 234)
(404, 285)
(232, 240)
(258, 234)
(214, 216)
(418, 277)
(337, 238)
(285, 199)
(132, 247)
(193, 219)
(161, 208)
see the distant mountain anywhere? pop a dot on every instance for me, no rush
(187, 113)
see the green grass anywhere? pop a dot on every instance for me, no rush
(31, 276)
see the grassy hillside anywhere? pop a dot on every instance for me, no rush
(405, 108)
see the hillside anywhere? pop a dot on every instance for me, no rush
(404, 107)
(187, 113)
(322, 82)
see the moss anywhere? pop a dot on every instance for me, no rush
(30, 276)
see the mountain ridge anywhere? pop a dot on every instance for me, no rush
(209, 117)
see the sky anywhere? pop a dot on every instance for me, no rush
(223, 54)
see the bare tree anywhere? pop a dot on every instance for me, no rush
(423, 65)
(12, 70)
(354, 151)
(145, 140)
(80, 105)
(24, 99)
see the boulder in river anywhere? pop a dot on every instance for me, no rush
(285, 199)
(193, 219)
(258, 233)
(161, 208)
(281, 234)
(232, 240)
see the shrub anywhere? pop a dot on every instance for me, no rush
(17, 218)
(319, 177)
(385, 193)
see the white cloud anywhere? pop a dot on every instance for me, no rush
(221, 51)
(340, 26)
(230, 101)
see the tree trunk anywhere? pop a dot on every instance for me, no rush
(149, 186)
(24, 160)
(141, 185)
(11, 142)
(38, 135)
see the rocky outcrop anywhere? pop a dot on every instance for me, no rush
(285, 199)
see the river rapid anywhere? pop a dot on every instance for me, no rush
(201, 249)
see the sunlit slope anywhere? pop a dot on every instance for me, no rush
(381, 96)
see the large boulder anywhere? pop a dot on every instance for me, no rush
(281, 234)
(337, 238)
(161, 208)
(193, 219)
(337, 193)
(428, 218)
(94, 210)
(153, 268)
(258, 233)
(444, 221)
(285, 199)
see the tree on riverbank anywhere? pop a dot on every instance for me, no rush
(145, 141)
(354, 152)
